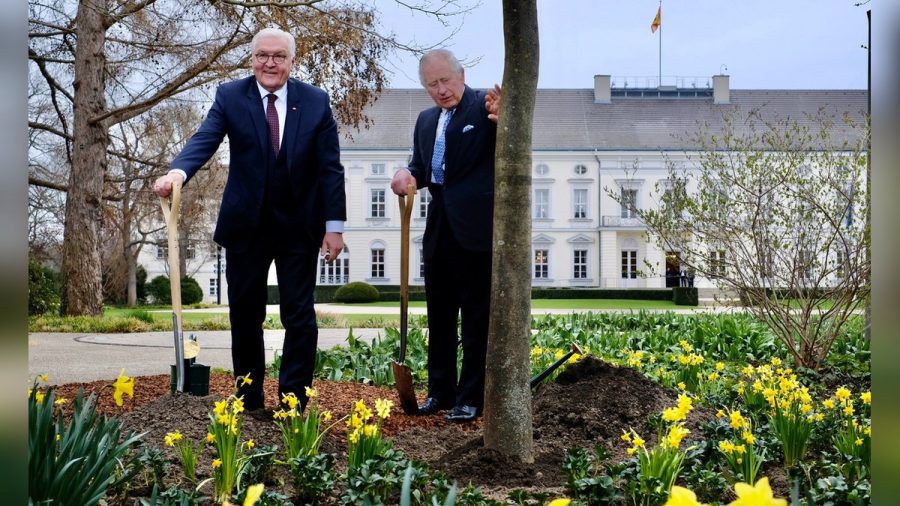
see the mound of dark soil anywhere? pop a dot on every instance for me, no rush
(590, 403)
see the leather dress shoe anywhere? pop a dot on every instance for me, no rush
(462, 414)
(432, 405)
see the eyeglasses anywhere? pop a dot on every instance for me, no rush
(277, 59)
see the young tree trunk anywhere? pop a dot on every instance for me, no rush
(82, 291)
(507, 416)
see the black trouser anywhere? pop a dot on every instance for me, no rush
(457, 281)
(247, 273)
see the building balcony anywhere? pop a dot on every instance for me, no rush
(618, 221)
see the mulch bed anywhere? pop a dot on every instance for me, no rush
(590, 403)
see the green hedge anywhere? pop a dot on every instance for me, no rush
(161, 291)
(684, 295)
(602, 293)
(391, 293)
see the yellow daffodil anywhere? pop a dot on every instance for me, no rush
(675, 435)
(737, 420)
(720, 414)
(638, 442)
(756, 495)
(859, 441)
(311, 393)
(626, 437)
(383, 407)
(58, 437)
(220, 407)
(250, 444)
(291, 400)
(216, 463)
(60, 401)
(237, 406)
(748, 437)
(842, 394)
(713, 376)
(254, 492)
(210, 438)
(828, 403)
(354, 436)
(868, 431)
(560, 502)
(866, 397)
(123, 385)
(726, 446)
(370, 430)
(848, 410)
(681, 385)
(680, 496)
(245, 380)
(720, 366)
(326, 415)
(776, 361)
(172, 437)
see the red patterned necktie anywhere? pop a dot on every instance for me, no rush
(272, 120)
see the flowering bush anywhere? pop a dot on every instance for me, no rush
(225, 435)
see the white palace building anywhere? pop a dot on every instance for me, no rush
(614, 137)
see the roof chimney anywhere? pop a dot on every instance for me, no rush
(601, 89)
(720, 90)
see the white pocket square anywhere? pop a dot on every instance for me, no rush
(467, 128)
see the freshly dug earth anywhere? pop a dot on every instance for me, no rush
(590, 403)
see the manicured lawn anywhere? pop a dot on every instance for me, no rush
(563, 304)
(165, 313)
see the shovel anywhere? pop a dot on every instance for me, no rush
(402, 373)
(171, 217)
(535, 381)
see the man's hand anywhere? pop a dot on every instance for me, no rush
(401, 179)
(332, 246)
(492, 103)
(163, 184)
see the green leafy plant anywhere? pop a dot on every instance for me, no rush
(188, 453)
(313, 475)
(74, 461)
(225, 434)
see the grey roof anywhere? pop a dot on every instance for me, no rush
(568, 119)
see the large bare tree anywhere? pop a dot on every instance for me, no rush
(507, 416)
(98, 63)
(775, 211)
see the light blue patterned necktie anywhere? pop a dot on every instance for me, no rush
(437, 159)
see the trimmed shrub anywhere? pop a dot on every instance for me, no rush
(159, 290)
(191, 293)
(356, 292)
(684, 295)
(43, 289)
(602, 293)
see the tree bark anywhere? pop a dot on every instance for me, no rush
(82, 293)
(507, 416)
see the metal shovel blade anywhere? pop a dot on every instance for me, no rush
(406, 392)
(402, 373)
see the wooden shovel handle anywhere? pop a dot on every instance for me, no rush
(406, 205)
(171, 209)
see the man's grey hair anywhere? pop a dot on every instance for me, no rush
(443, 54)
(275, 32)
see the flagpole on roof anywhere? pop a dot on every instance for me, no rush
(659, 83)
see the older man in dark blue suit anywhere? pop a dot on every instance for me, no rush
(283, 202)
(453, 156)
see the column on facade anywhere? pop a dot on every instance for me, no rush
(610, 259)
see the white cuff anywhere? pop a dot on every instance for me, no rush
(336, 226)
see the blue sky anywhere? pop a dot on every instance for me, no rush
(795, 44)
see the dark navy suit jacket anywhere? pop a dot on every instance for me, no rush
(313, 159)
(468, 191)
